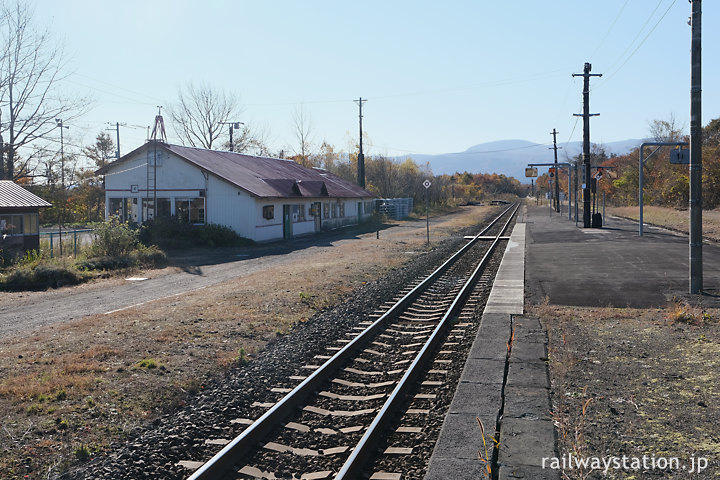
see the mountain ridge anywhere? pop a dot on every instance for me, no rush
(510, 157)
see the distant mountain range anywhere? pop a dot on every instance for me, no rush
(510, 157)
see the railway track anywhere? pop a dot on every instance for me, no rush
(390, 371)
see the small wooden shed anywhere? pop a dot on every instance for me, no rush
(19, 219)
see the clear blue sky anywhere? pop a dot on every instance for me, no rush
(439, 76)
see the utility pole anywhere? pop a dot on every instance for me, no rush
(2, 153)
(361, 157)
(117, 131)
(62, 180)
(696, 263)
(557, 172)
(586, 139)
(232, 126)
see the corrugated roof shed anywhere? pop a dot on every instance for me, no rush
(13, 195)
(261, 176)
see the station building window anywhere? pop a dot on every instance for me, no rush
(298, 213)
(268, 212)
(190, 210)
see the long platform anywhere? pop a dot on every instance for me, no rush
(501, 396)
(613, 265)
(550, 259)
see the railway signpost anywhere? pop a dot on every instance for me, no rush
(427, 184)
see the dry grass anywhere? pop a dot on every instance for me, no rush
(88, 382)
(673, 219)
(634, 382)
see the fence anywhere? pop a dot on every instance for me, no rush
(79, 238)
(395, 208)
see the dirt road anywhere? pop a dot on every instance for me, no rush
(24, 312)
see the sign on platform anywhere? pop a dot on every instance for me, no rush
(680, 156)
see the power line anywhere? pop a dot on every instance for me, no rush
(639, 45)
(617, 17)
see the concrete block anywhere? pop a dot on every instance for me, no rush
(496, 320)
(514, 472)
(523, 374)
(460, 437)
(481, 370)
(528, 352)
(529, 323)
(479, 399)
(440, 468)
(527, 402)
(526, 442)
(490, 345)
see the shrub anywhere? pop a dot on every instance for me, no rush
(114, 239)
(44, 275)
(142, 256)
(169, 233)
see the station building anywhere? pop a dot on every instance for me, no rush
(260, 198)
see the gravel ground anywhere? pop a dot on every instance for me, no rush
(153, 451)
(93, 386)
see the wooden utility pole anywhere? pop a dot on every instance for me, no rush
(586, 139)
(557, 172)
(361, 157)
(696, 262)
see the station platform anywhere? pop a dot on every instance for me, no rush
(611, 266)
(499, 418)
(505, 384)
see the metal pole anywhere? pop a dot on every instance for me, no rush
(569, 187)
(641, 176)
(361, 156)
(557, 171)
(640, 188)
(117, 131)
(696, 263)
(576, 194)
(427, 214)
(62, 181)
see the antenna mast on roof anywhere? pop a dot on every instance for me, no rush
(149, 204)
(159, 122)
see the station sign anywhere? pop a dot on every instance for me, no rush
(531, 172)
(680, 156)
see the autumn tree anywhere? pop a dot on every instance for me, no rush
(31, 70)
(327, 156)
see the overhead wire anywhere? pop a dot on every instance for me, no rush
(642, 42)
(617, 17)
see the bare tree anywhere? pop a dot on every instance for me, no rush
(31, 67)
(252, 141)
(666, 130)
(303, 130)
(199, 114)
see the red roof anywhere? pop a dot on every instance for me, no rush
(261, 176)
(13, 195)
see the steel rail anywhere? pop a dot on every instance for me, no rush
(226, 458)
(357, 460)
